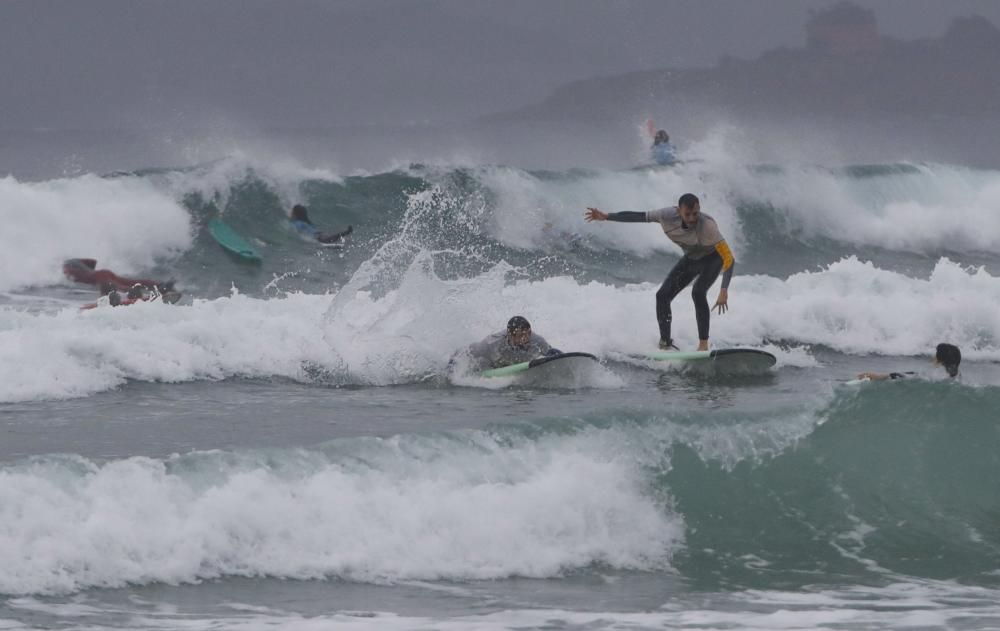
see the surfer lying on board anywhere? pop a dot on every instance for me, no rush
(136, 293)
(300, 219)
(946, 355)
(515, 345)
(705, 255)
(85, 271)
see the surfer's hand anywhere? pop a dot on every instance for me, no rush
(593, 214)
(722, 303)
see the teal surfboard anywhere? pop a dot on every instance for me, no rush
(513, 369)
(232, 242)
(746, 360)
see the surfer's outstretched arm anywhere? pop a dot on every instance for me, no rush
(629, 216)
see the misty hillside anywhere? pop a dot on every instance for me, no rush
(846, 68)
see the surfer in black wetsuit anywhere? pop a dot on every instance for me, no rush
(706, 254)
(946, 355)
(514, 345)
(300, 219)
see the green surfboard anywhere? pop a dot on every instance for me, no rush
(232, 242)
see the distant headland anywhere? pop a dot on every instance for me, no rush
(847, 67)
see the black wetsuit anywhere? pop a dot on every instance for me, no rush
(703, 271)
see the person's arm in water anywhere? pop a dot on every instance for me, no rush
(883, 376)
(336, 237)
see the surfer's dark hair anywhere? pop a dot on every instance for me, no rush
(299, 213)
(518, 323)
(950, 357)
(688, 200)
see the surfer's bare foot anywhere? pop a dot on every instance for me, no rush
(702, 345)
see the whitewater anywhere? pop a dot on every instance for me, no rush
(291, 446)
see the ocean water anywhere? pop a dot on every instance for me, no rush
(287, 447)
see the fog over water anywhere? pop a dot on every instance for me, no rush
(362, 84)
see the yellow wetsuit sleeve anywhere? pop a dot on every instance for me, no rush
(727, 262)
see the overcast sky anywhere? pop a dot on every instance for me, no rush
(309, 63)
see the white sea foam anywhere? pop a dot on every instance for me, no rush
(409, 333)
(903, 605)
(215, 181)
(74, 353)
(925, 208)
(469, 506)
(919, 208)
(125, 223)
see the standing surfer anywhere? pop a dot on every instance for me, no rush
(706, 254)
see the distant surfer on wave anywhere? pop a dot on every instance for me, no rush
(300, 220)
(514, 345)
(706, 254)
(662, 152)
(946, 355)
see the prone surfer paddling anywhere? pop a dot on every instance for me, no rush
(85, 271)
(946, 355)
(706, 254)
(514, 345)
